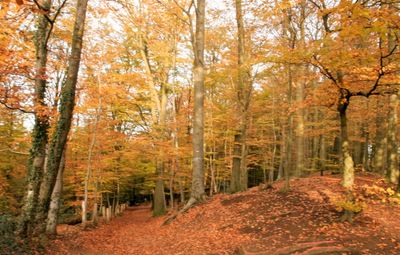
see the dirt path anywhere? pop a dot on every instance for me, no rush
(124, 235)
(302, 221)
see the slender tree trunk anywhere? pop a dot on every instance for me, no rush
(322, 155)
(288, 137)
(52, 217)
(282, 153)
(299, 168)
(67, 103)
(272, 166)
(89, 172)
(181, 190)
(39, 135)
(365, 132)
(235, 176)
(95, 212)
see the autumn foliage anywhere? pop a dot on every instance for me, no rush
(292, 89)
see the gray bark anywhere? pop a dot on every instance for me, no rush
(52, 216)
(243, 88)
(197, 192)
(348, 164)
(67, 103)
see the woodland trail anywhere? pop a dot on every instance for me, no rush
(256, 222)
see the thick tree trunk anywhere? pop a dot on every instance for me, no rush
(197, 192)
(159, 105)
(40, 129)
(52, 216)
(243, 90)
(348, 164)
(159, 195)
(67, 103)
(381, 140)
(393, 162)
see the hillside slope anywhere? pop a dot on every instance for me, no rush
(302, 221)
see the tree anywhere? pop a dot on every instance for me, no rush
(197, 192)
(40, 129)
(363, 75)
(67, 104)
(243, 88)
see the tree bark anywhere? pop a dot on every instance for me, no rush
(365, 133)
(381, 140)
(197, 192)
(52, 216)
(40, 129)
(67, 103)
(89, 172)
(348, 164)
(393, 162)
(288, 137)
(322, 154)
(235, 176)
(243, 91)
(159, 105)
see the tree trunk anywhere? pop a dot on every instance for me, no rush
(197, 192)
(235, 176)
(52, 217)
(159, 104)
(381, 140)
(243, 90)
(365, 133)
(348, 164)
(299, 168)
(288, 137)
(159, 195)
(67, 103)
(89, 173)
(39, 135)
(322, 154)
(272, 166)
(393, 165)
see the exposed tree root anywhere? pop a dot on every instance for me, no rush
(192, 202)
(311, 248)
(300, 247)
(325, 250)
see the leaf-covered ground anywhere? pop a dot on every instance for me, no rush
(302, 221)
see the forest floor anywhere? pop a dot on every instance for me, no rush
(257, 222)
